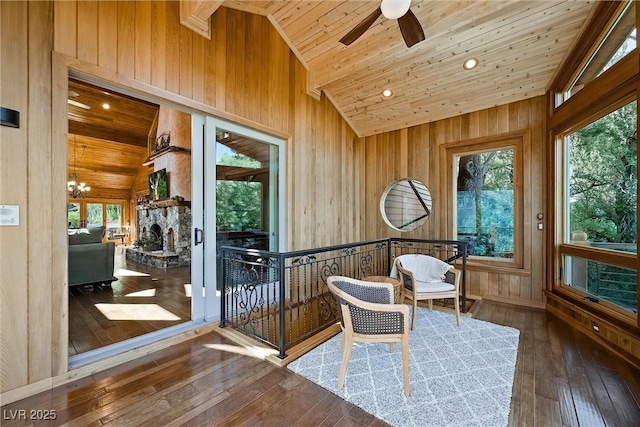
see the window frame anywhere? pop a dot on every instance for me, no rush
(611, 90)
(518, 141)
(622, 97)
(605, 16)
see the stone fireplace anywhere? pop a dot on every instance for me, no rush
(164, 226)
(171, 221)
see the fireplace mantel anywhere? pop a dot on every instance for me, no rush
(164, 204)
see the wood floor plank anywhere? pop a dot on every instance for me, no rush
(626, 406)
(561, 378)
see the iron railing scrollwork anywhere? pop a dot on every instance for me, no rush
(282, 299)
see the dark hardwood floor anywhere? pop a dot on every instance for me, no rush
(562, 379)
(143, 299)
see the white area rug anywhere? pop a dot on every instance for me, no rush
(458, 376)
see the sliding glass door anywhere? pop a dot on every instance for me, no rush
(244, 194)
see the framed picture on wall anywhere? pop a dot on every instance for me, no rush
(158, 185)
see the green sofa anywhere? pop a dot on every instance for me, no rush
(90, 261)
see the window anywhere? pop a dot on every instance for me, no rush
(486, 200)
(619, 41)
(600, 280)
(73, 215)
(94, 215)
(114, 215)
(602, 181)
(601, 205)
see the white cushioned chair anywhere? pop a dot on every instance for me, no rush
(424, 277)
(369, 315)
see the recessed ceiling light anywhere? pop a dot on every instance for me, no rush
(470, 64)
(106, 106)
(387, 93)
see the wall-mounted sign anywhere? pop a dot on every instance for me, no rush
(9, 215)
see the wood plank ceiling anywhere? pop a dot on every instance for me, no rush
(519, 45)
(110, 144)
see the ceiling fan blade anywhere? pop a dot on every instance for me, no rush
(359, 29)
(410, 28)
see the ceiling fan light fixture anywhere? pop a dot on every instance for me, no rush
(470, 64)
(394, 9)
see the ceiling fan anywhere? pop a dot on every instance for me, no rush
(391, 9)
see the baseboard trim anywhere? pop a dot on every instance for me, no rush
(540, 305)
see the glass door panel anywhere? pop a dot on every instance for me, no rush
(247, 187)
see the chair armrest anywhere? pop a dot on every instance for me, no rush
(457, 276)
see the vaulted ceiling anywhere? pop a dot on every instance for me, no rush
(519, 45)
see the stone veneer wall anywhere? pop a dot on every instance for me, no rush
(177, 218)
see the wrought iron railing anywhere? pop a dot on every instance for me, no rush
(282, 299)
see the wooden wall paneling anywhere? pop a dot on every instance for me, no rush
(253, 59)
(292, 152)
(235, 68)
(58, 211)
(186, 61)
(474, 124)
(88, 27)
(111, 51)
(172, 48)
(525, 116)
(515, 290)
(269, 91)
(325, 171)
(537, 179)
(502, 119)
(107, 38)
(65, 23)
(209, 50)
(14, 303)
(39, 190)
(275, 88)
(219, 78)
(142, 36)
(199, 68)
(320, 175)
(309, 169)
(158, 44)
(126, 38)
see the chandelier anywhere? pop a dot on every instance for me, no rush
(74, 187)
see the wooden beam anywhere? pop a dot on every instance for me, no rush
(195, 15)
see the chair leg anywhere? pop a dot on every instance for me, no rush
(413, 313)
(456, 303)
(430, 305)
(346, 354)
(405, 363)
(391, 347)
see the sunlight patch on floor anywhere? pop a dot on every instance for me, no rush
(247, 350)
(125, 272)
(145, 293)
(136, 312)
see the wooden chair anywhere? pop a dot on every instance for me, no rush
(416, 285)
(369, 315)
